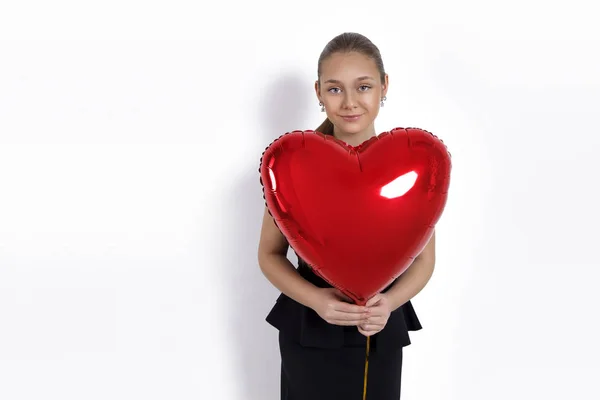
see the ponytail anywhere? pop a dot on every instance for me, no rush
(326, 127)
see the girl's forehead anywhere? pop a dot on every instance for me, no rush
(348, 66)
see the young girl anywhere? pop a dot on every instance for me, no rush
(322, 335)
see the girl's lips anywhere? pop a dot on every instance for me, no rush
(351, 118)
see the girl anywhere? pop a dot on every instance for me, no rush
(322, 335)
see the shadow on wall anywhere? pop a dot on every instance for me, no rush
(283, 109)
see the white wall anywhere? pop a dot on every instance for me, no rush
(130, 203)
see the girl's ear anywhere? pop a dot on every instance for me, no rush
(317, 91)
(385, 85)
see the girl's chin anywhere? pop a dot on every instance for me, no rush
(350, 127)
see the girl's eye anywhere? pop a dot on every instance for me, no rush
(363, 88)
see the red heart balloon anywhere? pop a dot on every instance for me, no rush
(358, 215)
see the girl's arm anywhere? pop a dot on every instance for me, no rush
(329, 303)
(277, 268)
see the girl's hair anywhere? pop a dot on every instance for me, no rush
(345, 43)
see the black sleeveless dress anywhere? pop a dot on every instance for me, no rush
(321, 361)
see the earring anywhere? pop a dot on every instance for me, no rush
(322, 107)
(384, 98)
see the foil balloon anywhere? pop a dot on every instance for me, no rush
(358, 215)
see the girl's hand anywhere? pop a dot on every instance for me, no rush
(337, 309)
(379, 313)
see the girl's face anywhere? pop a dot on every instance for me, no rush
(351, 91)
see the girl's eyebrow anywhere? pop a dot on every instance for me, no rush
(360, 78)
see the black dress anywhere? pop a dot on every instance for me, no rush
(321, 361)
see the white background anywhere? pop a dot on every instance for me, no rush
(130, 203)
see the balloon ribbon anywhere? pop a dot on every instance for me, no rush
(366, 368)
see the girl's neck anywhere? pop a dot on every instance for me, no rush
(354, 139)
